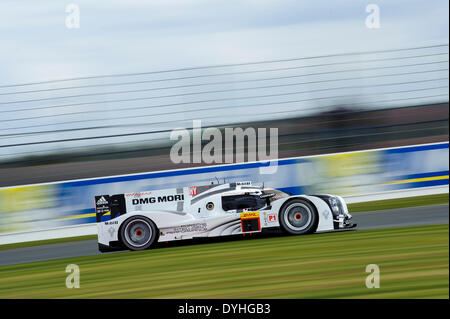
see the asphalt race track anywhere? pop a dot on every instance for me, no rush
(411, 216)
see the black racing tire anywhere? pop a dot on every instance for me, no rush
(138, 233)
(298, 217)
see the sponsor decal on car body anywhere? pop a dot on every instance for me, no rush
(159, 199)
(249, 215)
(193, 191)
(271, 218)
(250, 222)
(184, 229)
(138, 194)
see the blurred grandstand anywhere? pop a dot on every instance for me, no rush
(120, 124)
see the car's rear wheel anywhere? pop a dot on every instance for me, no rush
(298, 217)
(138, 233)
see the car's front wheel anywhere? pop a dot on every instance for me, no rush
(298, 217)
(138, 233)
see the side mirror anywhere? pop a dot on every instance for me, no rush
(267, 196)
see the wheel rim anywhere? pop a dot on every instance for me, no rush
(298, 216)
(138, 232)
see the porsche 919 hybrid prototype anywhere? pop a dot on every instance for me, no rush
(136, 221)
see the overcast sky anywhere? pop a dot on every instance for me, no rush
(139, 36)
(136, 35)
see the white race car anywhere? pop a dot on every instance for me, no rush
(136, 221)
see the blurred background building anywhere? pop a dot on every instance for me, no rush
(109, 125)
(339, 86)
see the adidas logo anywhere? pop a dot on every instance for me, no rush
(102, 201)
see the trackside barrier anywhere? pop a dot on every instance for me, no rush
(66, 209)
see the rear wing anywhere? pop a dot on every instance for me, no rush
(113, 206)
(120, 204)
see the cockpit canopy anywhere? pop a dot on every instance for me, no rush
(242, 201)
(251, 201)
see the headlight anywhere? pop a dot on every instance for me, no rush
(334, 203)
(343, 206)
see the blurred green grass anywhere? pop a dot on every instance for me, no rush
(47, 242)
(413, 261)
(399, 203)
